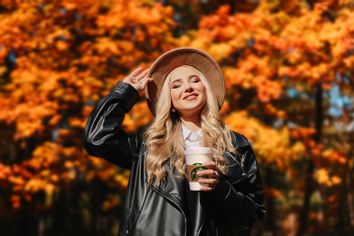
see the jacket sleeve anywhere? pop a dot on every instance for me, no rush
(103, 136)
(238, 199)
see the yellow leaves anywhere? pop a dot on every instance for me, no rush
(273, 193)
(86, 111)
(24, 183)
(44, 156)
(3, 69)
(225, 107)
(61, 45)
(5, 172)
(255, 72)
(306, 46)
(271, 110)
(69, 176)
(77, 122)
(90, 175)
(302, 133)
(12, 25)
(54, 178)
(62, 61)
(294, 56)
(107, 45)
(155, 19)
(267, 90)
(273, 147)
(319, 72)
(15, 201)
(201, 42)
(140, 115)
(36, 185)
(220, 51)
(55, 120)
(107, 174)
(349, 62)
(97, 162)
(234, 78)
(122, 181)
(323, 177)
(111, 202)
(335, 157)
(16, 180)
(69, 164)
(28, 103)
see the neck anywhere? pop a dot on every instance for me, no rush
(192, 123)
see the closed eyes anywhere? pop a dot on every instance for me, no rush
(177, 83)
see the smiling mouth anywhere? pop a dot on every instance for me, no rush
(191, 97)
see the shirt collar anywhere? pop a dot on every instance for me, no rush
(187, 132)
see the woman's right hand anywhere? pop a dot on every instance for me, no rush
(138, 79)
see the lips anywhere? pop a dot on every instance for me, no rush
(190, 96)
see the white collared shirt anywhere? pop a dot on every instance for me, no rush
(192, 139)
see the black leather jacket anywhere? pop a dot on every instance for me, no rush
(230, 209)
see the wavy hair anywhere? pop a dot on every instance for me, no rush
(164, 138)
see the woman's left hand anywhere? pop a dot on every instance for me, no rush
(209, 178)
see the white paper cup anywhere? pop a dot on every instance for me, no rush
(195, 158)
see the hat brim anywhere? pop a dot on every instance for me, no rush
(184, 56)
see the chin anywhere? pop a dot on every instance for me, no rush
(192, 109)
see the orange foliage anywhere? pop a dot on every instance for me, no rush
(322, 176)
(66, 55)
(58, 58)
(272, 146)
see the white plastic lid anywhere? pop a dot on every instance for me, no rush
(198, 150)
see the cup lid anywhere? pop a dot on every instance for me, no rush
(198, 150)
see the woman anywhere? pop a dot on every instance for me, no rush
(185, 91)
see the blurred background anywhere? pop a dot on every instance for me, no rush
(288, 67)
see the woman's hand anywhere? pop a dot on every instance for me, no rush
(209, 178)
(138, 79)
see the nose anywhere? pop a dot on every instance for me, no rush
(188, 88)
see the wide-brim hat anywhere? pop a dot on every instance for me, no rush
(196, 58)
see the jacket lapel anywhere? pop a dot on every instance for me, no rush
(173, 188)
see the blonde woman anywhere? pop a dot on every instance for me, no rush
(185, 91)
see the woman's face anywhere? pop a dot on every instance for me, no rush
(188, 93)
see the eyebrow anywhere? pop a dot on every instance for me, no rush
(178, 80)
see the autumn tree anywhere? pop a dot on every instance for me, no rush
(286, 63)
(58, 58)
(282, 61)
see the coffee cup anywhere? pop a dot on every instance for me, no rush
(195, 158)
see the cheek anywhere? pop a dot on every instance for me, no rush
(202, 90)
(174, 96)
(200, 86)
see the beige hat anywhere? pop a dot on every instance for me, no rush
(184, 56)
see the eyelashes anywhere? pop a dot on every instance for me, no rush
(195, 79)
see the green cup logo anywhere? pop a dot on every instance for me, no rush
(195, 170)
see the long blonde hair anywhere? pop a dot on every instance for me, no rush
(164, 139)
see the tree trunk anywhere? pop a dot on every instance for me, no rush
(309, 184)
(348, 182)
